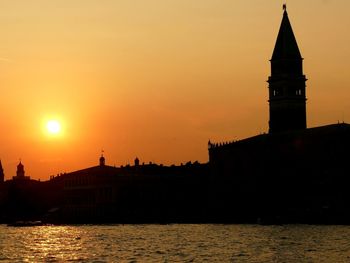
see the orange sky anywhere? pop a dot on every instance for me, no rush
(154, 79)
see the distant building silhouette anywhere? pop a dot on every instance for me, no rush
(20, 173)
(102, 160)
(136, 162)
(139, 193)
(287, 82)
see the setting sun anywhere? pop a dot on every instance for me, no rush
(53, 127)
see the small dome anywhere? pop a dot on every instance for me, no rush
(102, 160)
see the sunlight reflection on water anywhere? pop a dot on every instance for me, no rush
(175, 243)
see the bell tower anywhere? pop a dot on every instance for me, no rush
(287, 99)
(20, 170)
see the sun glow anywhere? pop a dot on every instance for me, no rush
(53, 127)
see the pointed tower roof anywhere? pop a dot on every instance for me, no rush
(20, 166)
(286, 46)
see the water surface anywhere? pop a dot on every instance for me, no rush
(175, 243)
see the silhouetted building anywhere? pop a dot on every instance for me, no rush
(292, 173)
(20, 173)
(287, 83)
(139, 193)
(102, 193)
(137, 162)
(102, 160)
(23, 198)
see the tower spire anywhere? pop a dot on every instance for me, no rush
(286, 46)
(287, 82)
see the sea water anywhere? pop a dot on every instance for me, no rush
(175, 243)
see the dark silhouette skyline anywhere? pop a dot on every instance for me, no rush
(293, 174)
